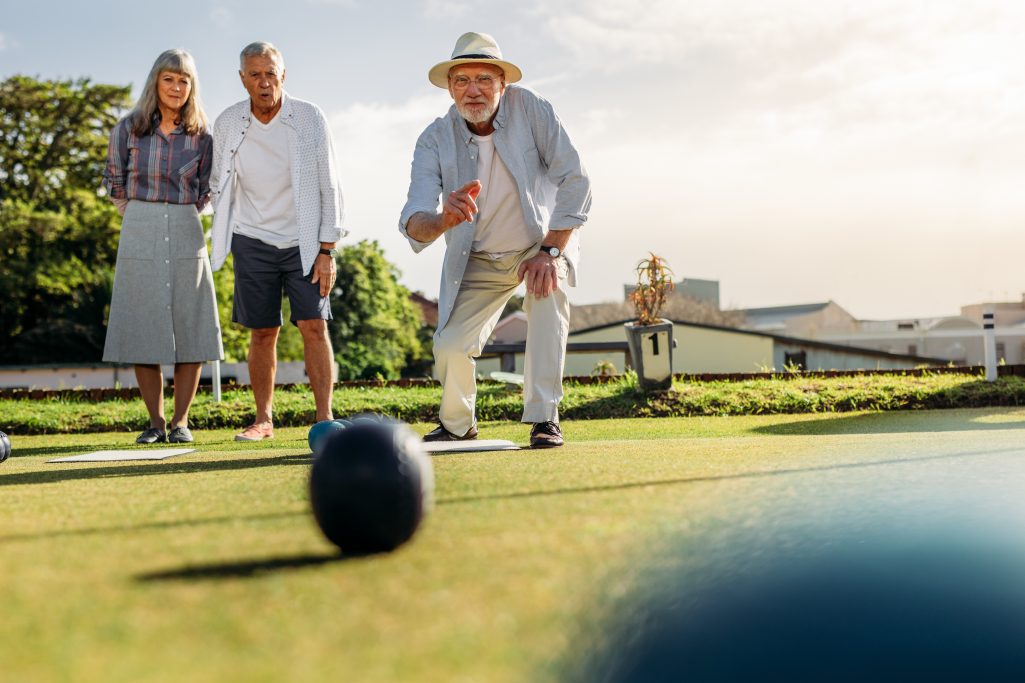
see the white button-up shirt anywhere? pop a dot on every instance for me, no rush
(318, 194)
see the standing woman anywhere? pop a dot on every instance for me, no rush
(163, 308)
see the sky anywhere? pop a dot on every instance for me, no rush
(868, 152)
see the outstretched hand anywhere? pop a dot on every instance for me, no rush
(460, 205)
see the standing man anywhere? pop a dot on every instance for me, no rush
(278, 210)
(513, 194)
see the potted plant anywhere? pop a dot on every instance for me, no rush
(650, 338)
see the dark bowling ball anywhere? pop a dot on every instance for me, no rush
(371, 486)
(5, 447)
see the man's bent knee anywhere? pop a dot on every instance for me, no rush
(450, 345)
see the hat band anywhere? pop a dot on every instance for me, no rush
(475, 57)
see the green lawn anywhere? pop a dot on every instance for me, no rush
(209, 567)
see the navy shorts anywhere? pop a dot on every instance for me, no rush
(262, 273)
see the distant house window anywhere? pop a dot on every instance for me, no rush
(912, 349)
(1001, 351)
(798, 359)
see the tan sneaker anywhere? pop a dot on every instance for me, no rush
(258, 431)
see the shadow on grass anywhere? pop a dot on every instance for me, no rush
(76, 471)
(243, 570)
(888, 423)
(723, 477)
(148, 526)
(227, 443)
(51, 450)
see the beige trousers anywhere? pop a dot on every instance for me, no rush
(486, 287)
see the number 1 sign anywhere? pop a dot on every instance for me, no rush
(651, 349)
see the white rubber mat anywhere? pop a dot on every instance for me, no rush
(113, 456)
(470, 446)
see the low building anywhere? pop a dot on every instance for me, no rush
(957, 337)
(705, 348)
(705, 291)
(800, 320)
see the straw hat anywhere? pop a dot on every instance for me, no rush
(474, 48)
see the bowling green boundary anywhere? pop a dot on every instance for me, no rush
(67, 412)
(209, 567)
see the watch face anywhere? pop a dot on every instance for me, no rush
(552, 251)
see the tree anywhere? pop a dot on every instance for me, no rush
(57, 275)
(53, 137)
(58, 246)
(376, 325)
(58, 238)
(514, 304)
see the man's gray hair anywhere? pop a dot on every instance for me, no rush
(260, 49)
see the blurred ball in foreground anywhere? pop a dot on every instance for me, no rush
(886, 608)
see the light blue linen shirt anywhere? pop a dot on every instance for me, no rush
(554, 189)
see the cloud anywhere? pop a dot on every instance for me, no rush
(340, 3)
(856, 73)
(374, 144)
(795, 48)
(5, 43)
(793, 150)
(827, 138)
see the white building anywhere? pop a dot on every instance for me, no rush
(957, 337)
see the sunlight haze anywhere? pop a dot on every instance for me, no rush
(868, 153)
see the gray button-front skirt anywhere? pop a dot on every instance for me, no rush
(163, 309)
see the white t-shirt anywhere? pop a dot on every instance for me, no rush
(265, 203)
(500, 226)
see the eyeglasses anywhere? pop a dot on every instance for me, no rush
(484, 82)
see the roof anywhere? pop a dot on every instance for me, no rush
(777, 316)
(676, 308)
(428, 307)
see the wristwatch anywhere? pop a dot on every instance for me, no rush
(554, 252)
(329, 252)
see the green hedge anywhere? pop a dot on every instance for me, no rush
(293, 406)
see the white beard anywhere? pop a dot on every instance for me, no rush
(481, 115)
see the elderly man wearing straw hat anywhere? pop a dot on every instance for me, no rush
(513, 194)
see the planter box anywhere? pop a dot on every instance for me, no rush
(651, 349)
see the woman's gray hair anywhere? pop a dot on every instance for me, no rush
(191, 115)
(260, 49)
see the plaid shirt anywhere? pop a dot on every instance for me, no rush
(171, 168)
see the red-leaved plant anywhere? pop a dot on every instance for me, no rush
(654, 282)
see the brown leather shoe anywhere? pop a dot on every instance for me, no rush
(546, 435)
(442, 434)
